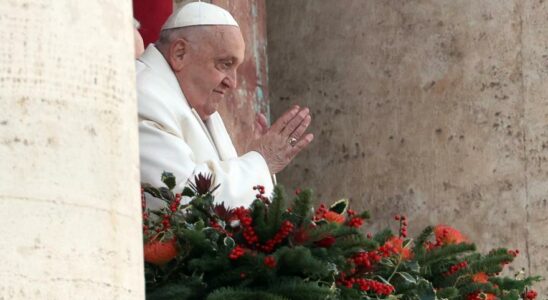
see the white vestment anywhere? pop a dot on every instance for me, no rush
(173, 138)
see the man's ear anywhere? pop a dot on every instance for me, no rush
(177, 51)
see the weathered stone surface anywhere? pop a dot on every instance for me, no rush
(434, 109)
(69, 182)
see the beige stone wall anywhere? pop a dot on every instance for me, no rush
(69, 181)
(434, 109)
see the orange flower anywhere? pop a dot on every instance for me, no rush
(480, 277)
(448, 235)
(159, 253)
(332, 216)
(481, 296)
(396, 243)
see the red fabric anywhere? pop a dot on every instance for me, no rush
(152, 14)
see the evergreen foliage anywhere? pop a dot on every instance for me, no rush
(279, 251)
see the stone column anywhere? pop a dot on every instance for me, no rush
(433, 109)
(69, 181)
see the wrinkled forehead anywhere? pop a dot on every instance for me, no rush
(223, 40)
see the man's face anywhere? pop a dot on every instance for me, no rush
(209, 72)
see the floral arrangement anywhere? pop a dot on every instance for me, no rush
(287, 250)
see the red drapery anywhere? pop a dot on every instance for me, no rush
(151, 14)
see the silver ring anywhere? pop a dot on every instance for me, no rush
(292, 141)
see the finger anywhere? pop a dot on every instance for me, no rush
(295, 122)
(301, 144)
(284, 119)
(302, 127)
(262, 122)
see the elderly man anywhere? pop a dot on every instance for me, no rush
(181, 80)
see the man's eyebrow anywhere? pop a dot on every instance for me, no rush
(227, 58)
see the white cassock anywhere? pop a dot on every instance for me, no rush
(173, 138)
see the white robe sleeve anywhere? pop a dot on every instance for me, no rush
(164, 149)
(172, 139)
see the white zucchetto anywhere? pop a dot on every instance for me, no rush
(199, 13)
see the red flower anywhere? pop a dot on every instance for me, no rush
(481, 296)
(159, 253)
(334, 217)
(326, 242)
(396, 244)
(448, 235)
(480, 277)
(202, 183)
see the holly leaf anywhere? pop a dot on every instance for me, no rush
(425, 290)
(188, 192)
(412, 266)
(152, 190)
(169, 180)
(229, 242)
(407, 277)
(166, 194)
(340, 206)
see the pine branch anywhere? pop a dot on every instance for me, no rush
(382, 236)
(261, 226)
(445, 252)
(419, 249)
(302, 207)
(233, 293)
(300, 290)
(276, 210)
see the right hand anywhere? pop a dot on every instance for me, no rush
(274, 144)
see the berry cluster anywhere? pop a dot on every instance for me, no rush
(387, 250)
(403, 225)
(514, 253)
(166, 222)
(439, 240)
(481, 296)
(530, 295)
(236, 253)
(284, 231)
(245, 221)
(270, 262)
(356, 222)
(174, 205)
(455, 268)
(366, 285)
(260, 195)
(366, 259)
(145, 212)
(320, 212)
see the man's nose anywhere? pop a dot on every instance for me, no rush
(231, 81)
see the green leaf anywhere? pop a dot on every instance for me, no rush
(425, 290)
(412, 266)
(169, 180)
(340, 206)
(407, 277)
(229, 242)
(152, 190)
(188, 192)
